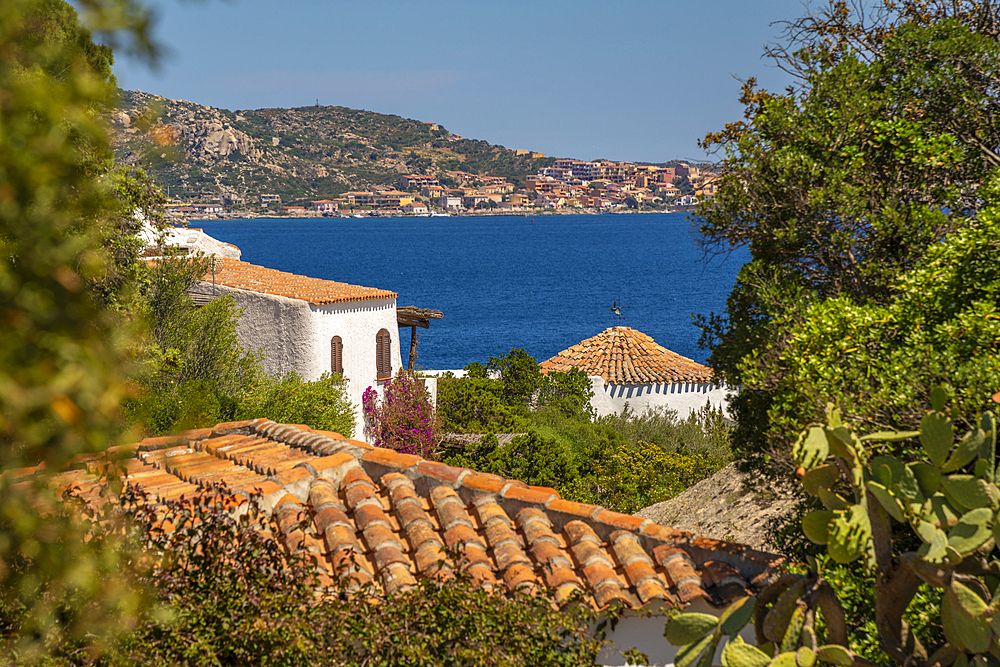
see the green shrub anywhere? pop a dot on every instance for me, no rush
(474, 405)
(321, 404)
(629, 477)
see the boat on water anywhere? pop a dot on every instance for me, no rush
(435, 214)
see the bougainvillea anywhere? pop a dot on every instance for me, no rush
(404, 420)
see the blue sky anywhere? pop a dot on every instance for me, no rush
(637, 80)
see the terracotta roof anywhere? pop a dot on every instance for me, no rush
(622, 355)
(395, 517)
(242, 275)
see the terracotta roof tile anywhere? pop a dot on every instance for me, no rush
(242, 275)
(369, 514)
(622, 355)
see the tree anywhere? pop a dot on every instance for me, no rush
(194, 370)
(60, 353)
(941, 325)
(842, 185)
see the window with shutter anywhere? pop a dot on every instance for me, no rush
(383, 355)
(336, 355)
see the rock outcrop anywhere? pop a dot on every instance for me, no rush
(723, 508)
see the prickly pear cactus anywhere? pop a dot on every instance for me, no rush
(784, 618)
(949, 498)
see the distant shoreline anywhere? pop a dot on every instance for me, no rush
(466, 214)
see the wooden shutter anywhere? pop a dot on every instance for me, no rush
(336, 355)
(383, 355)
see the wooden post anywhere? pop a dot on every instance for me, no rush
(413, 346)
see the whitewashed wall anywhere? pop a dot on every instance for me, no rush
(280, 326)
(684, 398)
(357, 324)
(295, 336)
(646, 634)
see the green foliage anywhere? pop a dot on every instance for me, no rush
(530, 458)
(856, 588)
(321, 404)
(60, 354)
(473, 404)
(498, 397)
(941, 325)
(623, 462)
(706, 430)
(629, 477)
(194, 371)
(946, 502)
(627, 462)
(847, 189)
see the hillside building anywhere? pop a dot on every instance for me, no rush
(627, 366)
(312, 326)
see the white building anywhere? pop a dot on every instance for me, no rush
(449, 202)
(627, 366)
(312, 326)
(190, 240)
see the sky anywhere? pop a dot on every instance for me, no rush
(635, 80)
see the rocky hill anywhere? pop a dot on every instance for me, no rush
(200, 152)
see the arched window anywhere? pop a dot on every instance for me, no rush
(383, 355)
(336, 355)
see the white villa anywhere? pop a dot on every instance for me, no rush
(311, 325)
(627, 366)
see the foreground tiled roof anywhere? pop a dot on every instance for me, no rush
(397, 516)
(622, 355)
(242, 275)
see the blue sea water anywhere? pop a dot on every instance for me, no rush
(541, 283)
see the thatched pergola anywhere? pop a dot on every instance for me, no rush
(413, 317)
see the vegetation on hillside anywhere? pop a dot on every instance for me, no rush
(622, 462)
(321, 151)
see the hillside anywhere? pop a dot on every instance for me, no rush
(200, 152)
(723, 508)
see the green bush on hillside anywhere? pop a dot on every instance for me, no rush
(624, 462)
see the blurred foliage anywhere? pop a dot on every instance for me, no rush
(61, 354)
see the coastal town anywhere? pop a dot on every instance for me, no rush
(568, 186)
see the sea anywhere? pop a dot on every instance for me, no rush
(542, 283)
